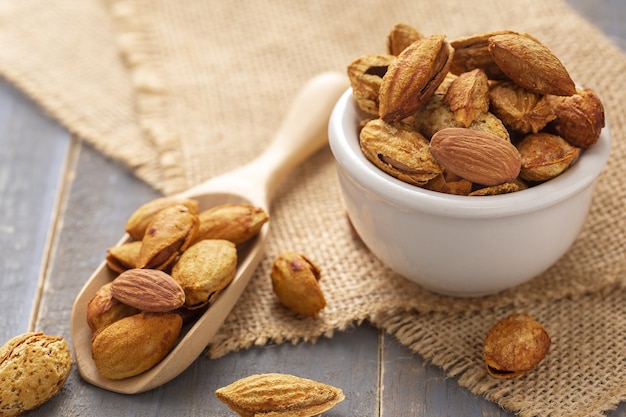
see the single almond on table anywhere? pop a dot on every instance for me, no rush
(479, 157)
(514, 346)
(33, 368)
(279, 395)
(295, 281)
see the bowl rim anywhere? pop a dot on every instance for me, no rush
(348, 155)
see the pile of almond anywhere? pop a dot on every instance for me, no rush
(175, 263)
(486, 114)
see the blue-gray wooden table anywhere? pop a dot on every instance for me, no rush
(62, 203)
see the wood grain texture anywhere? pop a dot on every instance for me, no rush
(33, 150)
(379, 376)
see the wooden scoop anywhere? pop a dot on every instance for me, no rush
(302, 132)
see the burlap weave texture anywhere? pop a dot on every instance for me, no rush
(182, 91)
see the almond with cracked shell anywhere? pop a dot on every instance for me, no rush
(275, 394)
(530, 64)
(520, 109)
(295, 281)
(545, 156)
(468, 96)
(399, 151)
(400, 37)
(125, 256)
(237, 223)
(471, 52)
(435, 115)
(413, 77)
(366, 75)
(138, 221)
(579, 118)
(514, 346)
(168, 234)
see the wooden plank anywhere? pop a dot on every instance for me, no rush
(412, 387)
(33, 149)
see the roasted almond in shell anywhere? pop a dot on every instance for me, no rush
(33, 368)
(148, 290)
(138, 222)
(479, 157)
(237, 223)
(531, 64)
(134, 344)
(103, 309)
(414, 77)
(277, 395)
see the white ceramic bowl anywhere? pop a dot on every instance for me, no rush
(460, 245)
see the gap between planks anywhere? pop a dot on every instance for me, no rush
(56, 223)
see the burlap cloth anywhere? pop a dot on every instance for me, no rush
(182, 91)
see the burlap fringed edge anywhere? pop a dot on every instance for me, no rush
(310, 332)
(468, 370)
(139, 52)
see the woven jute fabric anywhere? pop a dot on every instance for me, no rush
(183, 91)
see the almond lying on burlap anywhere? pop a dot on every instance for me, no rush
(169, 233)
(295, 281)
(514, 346)
(138, 221)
